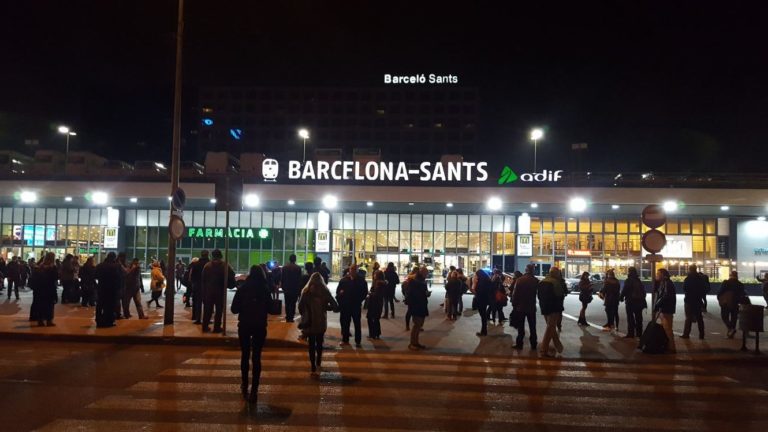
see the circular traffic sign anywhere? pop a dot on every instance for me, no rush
(654, 216)
(654, 241)
(176, 227)
(178, 199)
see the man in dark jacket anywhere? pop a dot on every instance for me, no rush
(214, 286)
(551, 292)
(418, 306)
(290, 280)
(524, 303)
(731, 294)
(320, 268)
(109, 275)
(695, 289)
(13, 271)
(633, 294)
(350, 293)
(484, 295)
(196, 282)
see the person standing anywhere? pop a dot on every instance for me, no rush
(68, 275)
(214, 287)
(350, 294)
(133, 290)
(393, 280)
(44, 295)
(666, 304)
(196, 280)
(499, 300)
(453, 290)
(379, 286)
(404, 287)
(524, 304)
(633, 294)
(418, 306)
(110, 277)
(731, 294)
(485, 297)
(290, 280)
(611, 294)
(550, 293)
(179, 269)
(88, 283)
(13, 272)
(122, 261)
(318, 266)
(585, 297)
(156, 285)
(695, 291)
(315, 302)
(250, 304)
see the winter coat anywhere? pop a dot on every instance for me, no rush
(88, 277)
(213, 280)
(196, 275)
(44, 295)
(485, 291)
(633, 294)
(158, 280)
(350, 293)
(454, 289)
(69, 270)
(418, 303)
(392, 281)
(314, 304)
(585, 291)
(551, 296)
(133, 281)
(731, 293)
(376, 298)
(524, 293)
(290, 279)
(695, 289)
(667, 298)
(250, 304)
(611, 292)
(110, 278)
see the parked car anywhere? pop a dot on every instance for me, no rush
(596, 279)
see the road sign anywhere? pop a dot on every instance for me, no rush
(176, 227)
(178, 199)
(654, 241)
(654, 258)
(654, 216)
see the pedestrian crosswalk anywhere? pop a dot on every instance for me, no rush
(371, 391)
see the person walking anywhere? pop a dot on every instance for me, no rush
(179, 270)
(393, 280)
(214, 287)
(585, 297)
(379, 286)
(633, 296)
(350, 294)
(485, 295)
(611, 294)
(404, 288)
(133, 290)
(196, 280)
(453, 290)
(290, 280)
(418, 306)
(550, 293)
(110, 277)
(730, 296)
(156, 285)
(44, 295)
(695, 290)
(88, 283)
(666, 304)
(250, 304)
(524, 295)
(315, 302)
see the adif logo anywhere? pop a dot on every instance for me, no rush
(509, 176)
(269, 169)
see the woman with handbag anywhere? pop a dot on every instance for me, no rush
(315, 302)
(585, 297)
(157, 285)
(250, 304)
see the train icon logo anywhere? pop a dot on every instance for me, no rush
(269, 169)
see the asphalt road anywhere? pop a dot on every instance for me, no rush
(65, 386)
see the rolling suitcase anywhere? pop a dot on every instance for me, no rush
(654, 340)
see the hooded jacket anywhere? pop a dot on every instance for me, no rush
(314, 304)
(551, 294)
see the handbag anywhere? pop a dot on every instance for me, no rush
(275, 306)
(516, 318)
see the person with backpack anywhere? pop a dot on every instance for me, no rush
(666, 305)
(695, 292)
(585, 297)
(731, 294)
(633, 296)
(610, 294)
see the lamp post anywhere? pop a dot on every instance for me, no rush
(536, 135)
(68, 133)
(304, 135)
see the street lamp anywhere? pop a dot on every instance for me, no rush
(536, 135)
(66, 131)
(304, 135)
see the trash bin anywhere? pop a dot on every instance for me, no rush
(751, 318)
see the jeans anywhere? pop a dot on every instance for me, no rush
(136, 297)
(251, 344)
(208, 308)
(550, 334)
(374, 327)
(389, 303)
(482, 309)
(497, 311)
(13, 284)
(418, 323)
(407, 319)
(666, 323)
(693, 313)
(105, 309)
(634, 321)
(729, 315)
(612, 311)
(530, 316)
(351, 314)
(315, 345)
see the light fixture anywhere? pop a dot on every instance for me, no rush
(99, 197)
(761, 218)
(170, 198)
(213, 200)
(330, 201)
(410, 204)
(251, 200)
(68, 199)
(28, 197)
(449, 205)
(291, 202)
(134, 200)
(578, 204)
(615, 206)
(534, 205)
(537, 134)
(63, 129)
(303, 134)
(369, 203)
(494, 203)
(725, 208)
(670, 206)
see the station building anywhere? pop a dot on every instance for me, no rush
(487, 221)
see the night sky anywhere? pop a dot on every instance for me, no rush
(663, 86)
